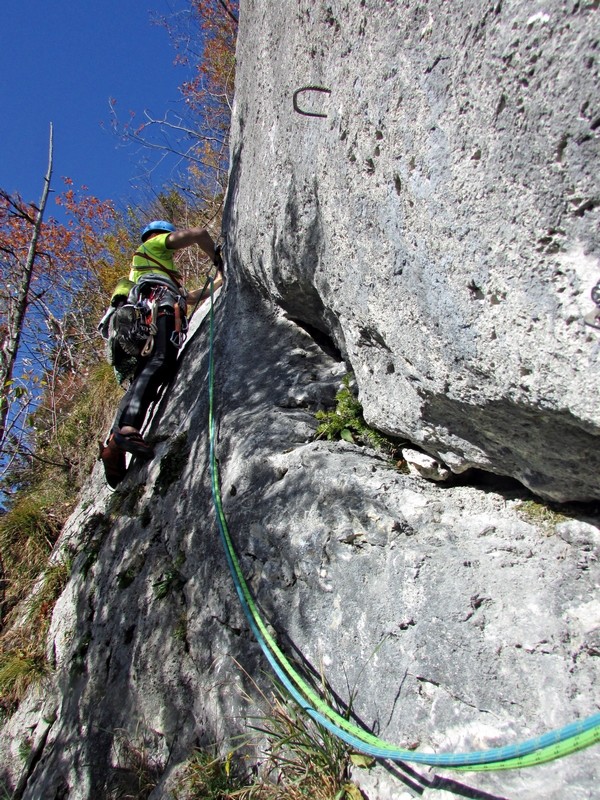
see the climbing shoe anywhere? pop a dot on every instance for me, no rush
(113, 461)
(134, 443)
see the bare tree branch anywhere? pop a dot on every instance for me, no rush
(228, 11)
(12, 339)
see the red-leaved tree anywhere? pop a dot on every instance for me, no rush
(43, 266)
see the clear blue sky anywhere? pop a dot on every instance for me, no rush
(61, 61)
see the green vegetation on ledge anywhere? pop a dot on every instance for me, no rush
(345, 421)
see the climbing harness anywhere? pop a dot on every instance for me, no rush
(308, 89)
(552, 745)
(129, 328)
(593, 318)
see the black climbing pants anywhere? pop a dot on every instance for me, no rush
(153, 371)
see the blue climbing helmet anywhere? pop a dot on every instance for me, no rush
(160, 225)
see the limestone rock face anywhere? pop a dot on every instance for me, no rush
(440, 219)
(439, 227)
(449, 616)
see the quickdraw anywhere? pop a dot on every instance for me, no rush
(552, 745)
(179, 335)
(152, 329)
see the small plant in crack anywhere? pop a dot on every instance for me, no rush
(126, 578)
(170, 581)
(346, 421)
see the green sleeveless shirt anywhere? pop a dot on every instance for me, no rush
(144, 263)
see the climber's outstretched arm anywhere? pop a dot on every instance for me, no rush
(200, 236)
(198, 295)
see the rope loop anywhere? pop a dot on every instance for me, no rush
(555, 744)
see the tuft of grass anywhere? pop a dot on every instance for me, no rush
(27, 534)
(42, 602)
(170, 581)
(304, 759)
(22, 646)
(19, 668)
(180, 632)
(137, 772)
(345, 421)
(25, 748)
(209, 777)
(540, 513)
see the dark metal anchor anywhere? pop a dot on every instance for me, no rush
(309, 89)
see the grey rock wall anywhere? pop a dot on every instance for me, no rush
(441, 222)
(448, 616)
(440, 226)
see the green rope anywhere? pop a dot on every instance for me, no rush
(547, 747)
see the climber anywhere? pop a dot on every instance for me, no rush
(154, 278)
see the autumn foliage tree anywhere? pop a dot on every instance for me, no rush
(196, 134)
(209, 93)
(50, 275)
(17, 271)
(44, 322)
(57, 393)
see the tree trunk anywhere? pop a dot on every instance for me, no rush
(16, 319)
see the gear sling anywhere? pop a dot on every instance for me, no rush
(130, 325)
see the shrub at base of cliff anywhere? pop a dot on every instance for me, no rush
(27, 534)
(208, 776)
(22, 646)
(20, 666)
(50, 484)
(137, 771)
(304, 760)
